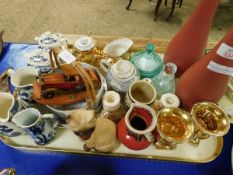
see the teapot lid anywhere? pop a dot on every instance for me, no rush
(147, 62)
(84, 43)
(123, 69)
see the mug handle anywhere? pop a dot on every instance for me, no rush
(10, 71)
(51, 118)
(105, 64)
(149, 136)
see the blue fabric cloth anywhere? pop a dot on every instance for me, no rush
(54, 163)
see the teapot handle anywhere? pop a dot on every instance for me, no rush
(105, 65)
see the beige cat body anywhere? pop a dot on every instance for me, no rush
(96, 133)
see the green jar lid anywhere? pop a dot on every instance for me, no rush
(147, 62)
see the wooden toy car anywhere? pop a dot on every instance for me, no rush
(62, 88)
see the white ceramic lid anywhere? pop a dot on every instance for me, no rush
(49, 40)
(111, 101)
(84, 43)
(170, 100)
(123, 69)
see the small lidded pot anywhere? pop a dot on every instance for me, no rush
(167, 100)
(135, 130)
(85, 50)
(147, 62)
(50, 40)
(120, 75)
(174, 126)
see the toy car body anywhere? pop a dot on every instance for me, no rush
(61, 88)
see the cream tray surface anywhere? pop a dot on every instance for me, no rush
(67, 142)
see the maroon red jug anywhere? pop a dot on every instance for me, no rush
(207, 79)
(189, 43)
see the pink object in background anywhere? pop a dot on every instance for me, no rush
(207, 79)
(189, 43)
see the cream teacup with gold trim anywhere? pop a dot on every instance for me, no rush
(140, 91)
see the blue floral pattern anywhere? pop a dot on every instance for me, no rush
(25, 93)
(40, 134)
(119, 85)
(5, 130)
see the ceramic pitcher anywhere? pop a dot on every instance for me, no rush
(135, 130)
(10, 106)
(40, 127)
(22, 80)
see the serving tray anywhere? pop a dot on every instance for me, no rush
(67, 142)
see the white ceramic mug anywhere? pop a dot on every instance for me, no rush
(140, 91)
(10, 106)
(22, 80)
(40, 127)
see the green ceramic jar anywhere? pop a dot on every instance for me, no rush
(147, 62)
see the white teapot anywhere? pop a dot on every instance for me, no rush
(120, 75)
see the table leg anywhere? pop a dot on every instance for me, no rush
(172, 10)
(157, 9)
(128, 6)
(180, 3)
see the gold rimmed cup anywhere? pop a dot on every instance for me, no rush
(174, 126)
(209, 119)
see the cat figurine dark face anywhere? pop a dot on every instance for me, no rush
(82, 122)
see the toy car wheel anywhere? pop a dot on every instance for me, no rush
(49, 95)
